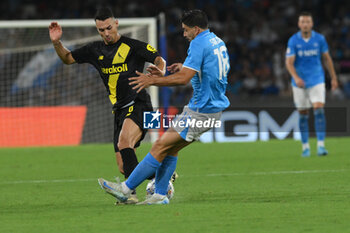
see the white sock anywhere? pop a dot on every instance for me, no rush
(126, 189)
(320, 143)
(306, 146)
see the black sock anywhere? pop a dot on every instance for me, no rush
(129, 161)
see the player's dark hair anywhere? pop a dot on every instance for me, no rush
(103, 13)
(305, 13)
(194, 18)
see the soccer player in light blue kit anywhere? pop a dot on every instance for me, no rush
(303, 61)
(206, 66)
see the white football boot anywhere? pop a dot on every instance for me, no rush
(155, 199)
(114, 189)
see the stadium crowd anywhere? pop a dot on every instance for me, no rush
(255, 31)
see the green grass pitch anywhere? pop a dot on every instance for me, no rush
(231, 187)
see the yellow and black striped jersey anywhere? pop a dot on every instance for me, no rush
(115, 64)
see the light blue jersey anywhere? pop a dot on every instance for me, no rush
(208, 56)
(308, 54)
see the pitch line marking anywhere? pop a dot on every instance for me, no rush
(47, 181)
(277, 172)
(208, 175)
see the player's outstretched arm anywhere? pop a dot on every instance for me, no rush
(55, 31)
(330, 67)
(145, 80)
(292, 71)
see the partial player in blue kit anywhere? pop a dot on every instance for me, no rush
(305, 51)
(206, 66)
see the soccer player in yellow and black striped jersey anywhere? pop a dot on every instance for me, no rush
(116, 58)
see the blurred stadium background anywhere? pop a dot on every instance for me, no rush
(256, 33)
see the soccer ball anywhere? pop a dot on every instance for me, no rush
(152, 185)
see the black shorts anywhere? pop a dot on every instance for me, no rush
(135, 113)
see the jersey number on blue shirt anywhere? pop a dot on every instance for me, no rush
(222, 60)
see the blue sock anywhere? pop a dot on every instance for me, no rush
(304, 127)
(320, 124)
(164, 173)
(142, 171)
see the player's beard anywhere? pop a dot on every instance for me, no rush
(306, 32)
(189, 38)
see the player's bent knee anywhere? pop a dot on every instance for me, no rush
(124, 142)
(159, 149)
